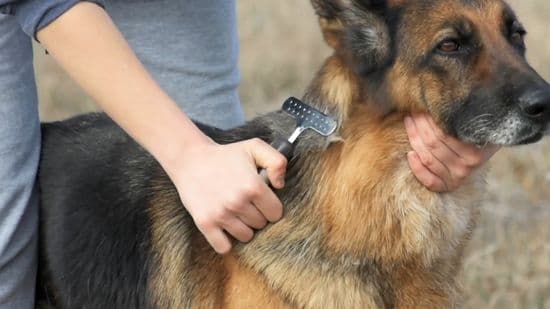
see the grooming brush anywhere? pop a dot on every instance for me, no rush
(306, 117)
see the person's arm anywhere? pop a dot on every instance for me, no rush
(439, 161)
(219, 185)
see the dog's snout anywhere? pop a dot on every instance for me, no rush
(536, 104)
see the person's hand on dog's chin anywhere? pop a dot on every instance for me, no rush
(439, 161)
(222, 190)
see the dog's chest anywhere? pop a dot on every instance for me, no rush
(433, 226)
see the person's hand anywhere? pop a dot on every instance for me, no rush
(439, 161)
(220, 187)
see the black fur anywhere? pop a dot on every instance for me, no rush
(103, 164)
(79, 237)
(97, 185)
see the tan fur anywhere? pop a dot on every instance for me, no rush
(186, 272)
(403, 227)
(332, 30)
(338, 85)
(367, 235)
(245, 289)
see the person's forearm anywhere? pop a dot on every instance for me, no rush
(89, 47)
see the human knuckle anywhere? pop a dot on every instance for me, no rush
(463, 172)
(221, 214)
(427, 160)
(257, 141)
(476, 160)
(280, 162)
(237, 206)
(431, 142)
(236, 198)
(204, 223)
(253, 189)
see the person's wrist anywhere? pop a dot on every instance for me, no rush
(185, 153)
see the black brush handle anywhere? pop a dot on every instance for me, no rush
(284, 147)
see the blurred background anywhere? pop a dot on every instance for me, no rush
(508, 260)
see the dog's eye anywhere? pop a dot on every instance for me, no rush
(449, 46)
(517, 34)
(517, 37)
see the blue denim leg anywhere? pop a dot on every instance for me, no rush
(19, 155)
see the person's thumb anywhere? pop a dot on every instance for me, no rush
(267, 157)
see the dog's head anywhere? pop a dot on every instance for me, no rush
(463, 61)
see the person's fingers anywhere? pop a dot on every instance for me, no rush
(424, 175)
(238, 229)
(214, 235)
(252, 217)
(427, 158)
(472, 155)
(266, 201)
(273, 161)
(434, 138)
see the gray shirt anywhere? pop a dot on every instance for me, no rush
(189, 46)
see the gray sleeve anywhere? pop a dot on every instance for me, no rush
(33, 15)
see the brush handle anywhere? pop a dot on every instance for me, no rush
(284, 147)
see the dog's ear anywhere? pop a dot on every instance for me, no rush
(330, 9)
(357, 28)
(367, 35)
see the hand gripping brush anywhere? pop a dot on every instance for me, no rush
(306, 117)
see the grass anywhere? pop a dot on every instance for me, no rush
(508, 260)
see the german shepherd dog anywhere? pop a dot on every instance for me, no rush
(359, 230)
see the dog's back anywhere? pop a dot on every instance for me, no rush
(95, 188)
(113, 231)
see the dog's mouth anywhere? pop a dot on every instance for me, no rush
(537, 136)
(524, 133)
(529, 133)
(507, 130)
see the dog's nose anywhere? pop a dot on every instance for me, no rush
(536, 105)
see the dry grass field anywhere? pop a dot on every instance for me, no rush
(508, 261)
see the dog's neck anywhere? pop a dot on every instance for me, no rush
(315, 171)
(352, 202)
(324, 186)
(339, 92)
(338, 180)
